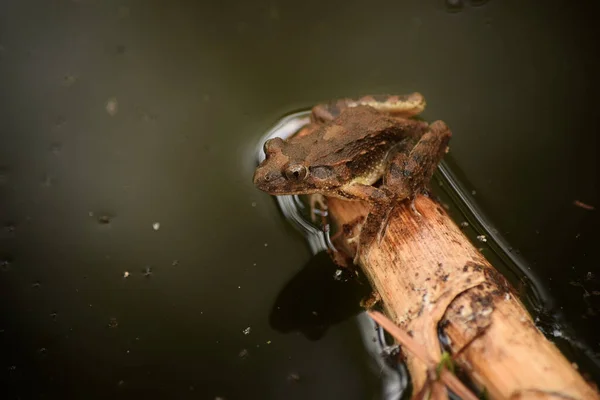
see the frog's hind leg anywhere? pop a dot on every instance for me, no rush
(404, 106)
(409, 172)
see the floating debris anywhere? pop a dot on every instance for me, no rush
(464, 224)
(104, 219)
(147, 272)
(482, 238)
(243, 354)
(337, 275)
(126, 274)
(113, 323)
(583, 205)
(69, 80)
(246, 331)
(156, 226)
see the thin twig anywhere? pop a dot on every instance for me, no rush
(450, 380)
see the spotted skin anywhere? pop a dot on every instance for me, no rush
(352, 144)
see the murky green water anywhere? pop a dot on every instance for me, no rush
(117, 116)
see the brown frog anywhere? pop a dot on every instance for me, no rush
(349, 147)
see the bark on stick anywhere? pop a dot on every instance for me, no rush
(429, 274)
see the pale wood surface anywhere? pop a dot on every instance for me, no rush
(426, 272)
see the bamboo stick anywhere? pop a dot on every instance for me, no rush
(429, 274)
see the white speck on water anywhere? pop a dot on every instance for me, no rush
(266, 244)
(156, 226)
(125, 274)
(464, 224)
(253, 204)
(239, 287)
(112, 106)
(482, 238)
(473, 192)
(268, 342)
(338, 274)
(246, 331)
(254, 264)
(557, 333)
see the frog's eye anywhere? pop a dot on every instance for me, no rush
(272, 145)
(296, 172)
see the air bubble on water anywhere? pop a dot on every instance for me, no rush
(454, 5)
(10, 227)
(48, 181)
(112, 106)
(60, 121)
(69, 80)
(5, 263)
(56, 148)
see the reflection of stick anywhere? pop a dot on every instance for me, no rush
(429, 275)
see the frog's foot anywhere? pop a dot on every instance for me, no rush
(413, 208)
(374, 228)
(317, 199)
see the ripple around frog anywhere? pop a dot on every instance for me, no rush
(463, 209)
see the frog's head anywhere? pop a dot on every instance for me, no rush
(279, 173)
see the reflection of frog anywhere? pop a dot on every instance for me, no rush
(349, 147)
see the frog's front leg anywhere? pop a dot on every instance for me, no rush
(410, 171)
(381, 200)
(404, 106)
(407, 175)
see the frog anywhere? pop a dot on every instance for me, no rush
(349, 146)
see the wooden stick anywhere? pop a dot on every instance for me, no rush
(428, 274)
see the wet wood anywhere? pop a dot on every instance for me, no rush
(428, 274)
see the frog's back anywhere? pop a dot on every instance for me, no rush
(357, 132)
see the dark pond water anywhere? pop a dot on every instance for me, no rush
(136, 253)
